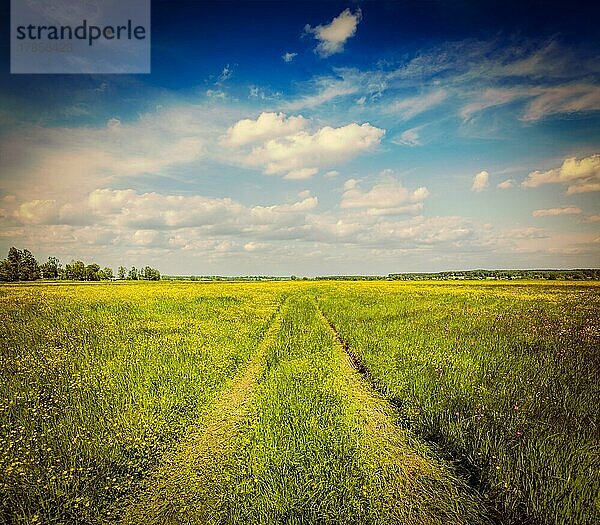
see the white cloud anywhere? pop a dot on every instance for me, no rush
(388, 235)
(386, 198)
(350, 183)
(493, 97)
(216, 94)
(332, 174)
(145, 237)
(122, 211)
(506, 184)
(481, 181)
(253, 246)
(543, 100)
(410, 137)
(327, 89)
(410, 107)
(38, 211)
(552, 212)
(225, 75)
(128, 208)
(266, 126)
(47, 162)
(260, 93)
(333, 36)
(288, 57)
(311, 151)
(569, 98)
(302, 173)
(580, 176)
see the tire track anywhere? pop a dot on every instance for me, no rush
(391, 406)
(175, 483)
(356, 362)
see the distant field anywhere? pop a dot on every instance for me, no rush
(300, 402)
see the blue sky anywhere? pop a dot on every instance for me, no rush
(317, 138)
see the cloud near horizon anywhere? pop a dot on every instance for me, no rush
(553, 212)
(386, 198)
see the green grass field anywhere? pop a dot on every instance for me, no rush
(300, 402)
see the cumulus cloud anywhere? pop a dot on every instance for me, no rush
(152, 211)
(481, 181)
(388, 234)
(288, 57)
(552, 212)
(333, 36)
(266, 126)
(580, 176)
(506, 184)
(386, 198)
(299, 153)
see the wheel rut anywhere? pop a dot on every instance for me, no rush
(391, 407)
(166, 490)
(397, 471)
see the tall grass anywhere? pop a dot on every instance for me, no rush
(97, 381)
(506, 378)
(241, 399)
(315, 446)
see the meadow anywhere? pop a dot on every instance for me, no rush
(300, 402)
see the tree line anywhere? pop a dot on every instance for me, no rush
(21, 265)
(550, 275)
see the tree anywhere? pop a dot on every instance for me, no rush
(122, 272)
(106, 273)
(14, 263)
(75, 270)
(50, 269)
(5, 273)
(133, 274)
(150, 274)
(29, 269)
(19, 266)
(92, 272)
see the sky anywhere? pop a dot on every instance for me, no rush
(317, 138)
